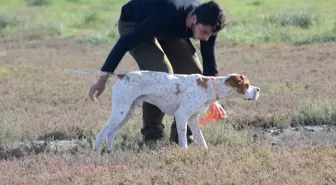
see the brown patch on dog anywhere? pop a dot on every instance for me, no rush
(122, 76)
(178, 90)
(202, 82)
(240, 82)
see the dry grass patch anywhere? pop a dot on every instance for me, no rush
(40, 100)
(223, 164)
(40, 97)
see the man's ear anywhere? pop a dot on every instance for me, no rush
(193, 19)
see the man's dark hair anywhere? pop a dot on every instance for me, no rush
(212, 14)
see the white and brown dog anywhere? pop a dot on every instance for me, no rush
(183, 96)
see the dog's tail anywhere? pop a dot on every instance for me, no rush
(91, 73)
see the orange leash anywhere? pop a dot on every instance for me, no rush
(216, 112)
(215, 88)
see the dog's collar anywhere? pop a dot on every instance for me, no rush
(214, 87)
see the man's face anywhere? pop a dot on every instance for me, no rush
(201, 31)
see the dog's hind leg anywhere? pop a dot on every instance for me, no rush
(118, 117)
(196, 130)
(111, 135)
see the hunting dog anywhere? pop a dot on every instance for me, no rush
(183, 96)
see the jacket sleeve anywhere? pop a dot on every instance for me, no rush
(146, 30)
(208, 55)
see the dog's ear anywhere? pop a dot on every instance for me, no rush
(235, 80)
(241, 79)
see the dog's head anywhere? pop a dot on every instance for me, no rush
(241, 85)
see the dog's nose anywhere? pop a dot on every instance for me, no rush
(258, 89)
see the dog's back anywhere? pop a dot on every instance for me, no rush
(155, 79)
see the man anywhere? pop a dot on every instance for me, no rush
(156, 34)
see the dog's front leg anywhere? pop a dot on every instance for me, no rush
(181, 126)
(196, 130)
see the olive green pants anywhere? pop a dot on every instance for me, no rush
(173, 56)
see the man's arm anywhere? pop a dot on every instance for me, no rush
(208, 51)
(146, 30)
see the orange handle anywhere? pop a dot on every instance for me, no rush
(216, 113)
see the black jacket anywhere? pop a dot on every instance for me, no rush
(163, 19)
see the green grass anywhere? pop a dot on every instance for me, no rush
(280, 21)
(259, 21)
(316, 113)
(76, 19)
(38, 2)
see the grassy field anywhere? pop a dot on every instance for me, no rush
(253, 21)
(285, 47)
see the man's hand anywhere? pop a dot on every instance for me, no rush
(97, 88)
(215, 113)
(219, 109)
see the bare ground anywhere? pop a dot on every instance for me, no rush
(41, 101)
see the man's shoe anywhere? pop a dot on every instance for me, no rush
(153, 132)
